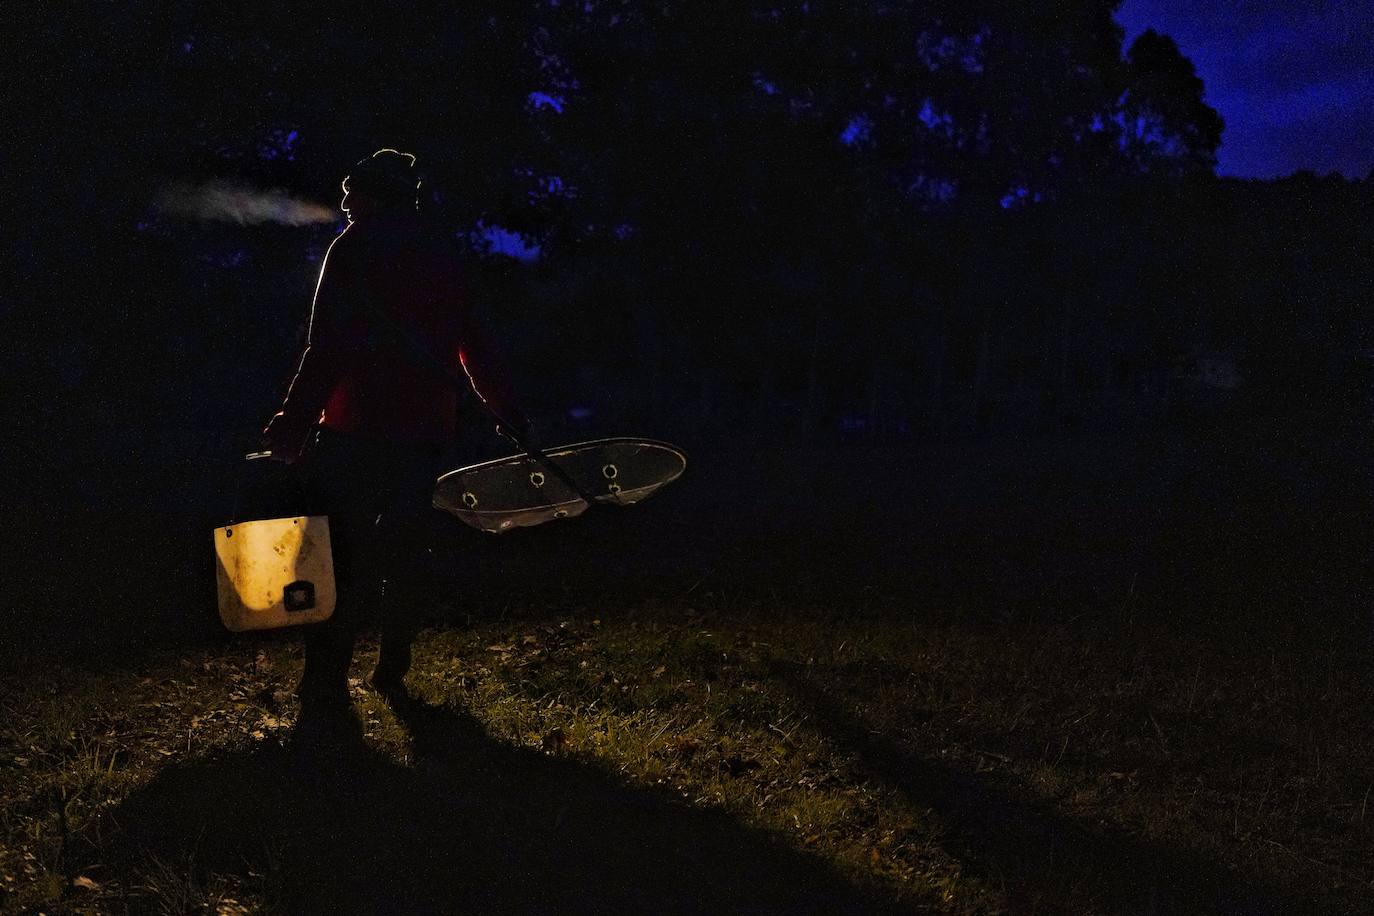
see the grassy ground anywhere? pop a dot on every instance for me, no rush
(674, 760)
(1132, 685)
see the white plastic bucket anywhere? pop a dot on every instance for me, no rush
(277, 572)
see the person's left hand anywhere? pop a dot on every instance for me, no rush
(283, 440)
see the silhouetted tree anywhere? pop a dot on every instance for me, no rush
(1166, 127)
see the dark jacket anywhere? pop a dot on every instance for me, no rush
(356, 376)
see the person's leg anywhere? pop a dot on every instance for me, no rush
(405, 531)
(343, 486)
(328, 654)
(399, 629)
(329, 645)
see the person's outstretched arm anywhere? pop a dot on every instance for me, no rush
(486, 371)
(336, 338)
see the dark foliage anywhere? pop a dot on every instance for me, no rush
(791, 221)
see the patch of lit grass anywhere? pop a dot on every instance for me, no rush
(74, 743)
(697, 711)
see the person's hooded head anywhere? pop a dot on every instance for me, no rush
(382, 184)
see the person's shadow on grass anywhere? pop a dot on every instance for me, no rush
(474, 825)
(1045, 861)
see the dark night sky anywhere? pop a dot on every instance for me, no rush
(1294, 79)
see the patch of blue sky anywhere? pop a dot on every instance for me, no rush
(541, 100)
(279, 144)
(503, 241)
(857, 130)
(932, 118)
(1020, 196)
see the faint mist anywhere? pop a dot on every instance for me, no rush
(226, 201)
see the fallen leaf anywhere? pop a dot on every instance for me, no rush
(85, 883)
(686, 746)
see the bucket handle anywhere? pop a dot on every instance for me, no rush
(242, 468)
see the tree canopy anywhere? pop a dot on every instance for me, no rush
(821, 205)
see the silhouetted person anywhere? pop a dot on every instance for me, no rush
(368, 419)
